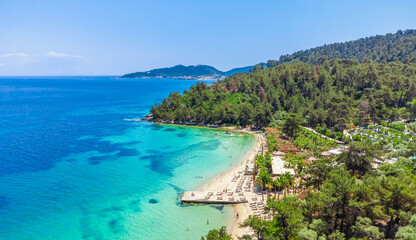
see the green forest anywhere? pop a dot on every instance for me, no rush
(335, 93)
(399, 46)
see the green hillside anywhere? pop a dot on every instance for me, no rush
(399, 46)
(332, 92)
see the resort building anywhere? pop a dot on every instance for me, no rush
(278, 167)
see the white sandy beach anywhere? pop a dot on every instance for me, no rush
(224, 181)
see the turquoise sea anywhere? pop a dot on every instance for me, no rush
(75, 162)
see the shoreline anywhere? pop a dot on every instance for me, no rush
(221, 181)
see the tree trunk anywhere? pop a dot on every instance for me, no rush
(274, 191)
(278, 194)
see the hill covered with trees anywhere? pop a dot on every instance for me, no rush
(400, 46)
(335, 92)
(187, 72)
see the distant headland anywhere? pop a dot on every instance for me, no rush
(201, 72)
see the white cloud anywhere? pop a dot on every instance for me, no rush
(13, 55)
(61, 55)
(47, 63)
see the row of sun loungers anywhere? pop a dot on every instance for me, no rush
(257, 206)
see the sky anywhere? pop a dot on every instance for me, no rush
(99, 37)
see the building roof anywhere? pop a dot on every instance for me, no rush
(326, 154)
(335, 151)
(278, 153)
(278, 166)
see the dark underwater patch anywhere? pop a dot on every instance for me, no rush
(153, 201)
(157, 127)
(130, 143)
(205, 145)
(114, 209)
(116, 225)
(177, 189)
(127, 153)
(218, 207)
(107, 147)
(166, 162)
(86, 227)
(135, 206)
(181, 135)
(169, 130)
(98, 159)
(151, 151)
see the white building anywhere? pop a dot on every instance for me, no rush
(278, 167)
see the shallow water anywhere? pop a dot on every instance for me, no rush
(76, 163)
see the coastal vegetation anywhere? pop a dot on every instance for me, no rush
(217, 234)
(333, 94)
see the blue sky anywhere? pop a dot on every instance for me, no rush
(91, 37)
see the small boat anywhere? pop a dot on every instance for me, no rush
(240, 135)
(231, 135)
(227, 132)
(217, 133)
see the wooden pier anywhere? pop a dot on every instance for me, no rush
(213, 197)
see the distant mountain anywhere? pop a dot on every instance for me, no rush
(187, 72)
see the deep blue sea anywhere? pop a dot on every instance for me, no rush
(76, 162)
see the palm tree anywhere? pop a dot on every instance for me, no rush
(269, 186)
(283, 182)
(277, 183)
(290, 160)
(263, 179)
(289, 180)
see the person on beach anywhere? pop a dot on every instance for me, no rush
(187, 228)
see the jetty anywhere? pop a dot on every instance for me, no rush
(213, 197)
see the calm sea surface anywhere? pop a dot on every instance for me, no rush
(75, 162)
